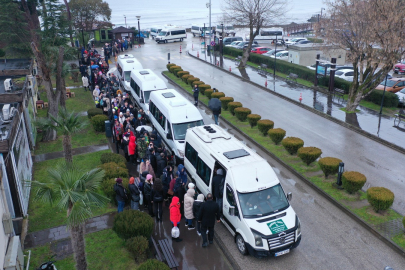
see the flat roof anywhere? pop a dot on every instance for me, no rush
(15, 88)
(312, 47)
(15, 64)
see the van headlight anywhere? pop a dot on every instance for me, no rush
(181, 153)
(298, 231)
(258, 238)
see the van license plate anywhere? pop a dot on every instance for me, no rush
(282, 252)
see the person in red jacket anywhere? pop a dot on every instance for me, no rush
(175, 215)
(131, 148)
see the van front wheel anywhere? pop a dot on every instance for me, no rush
(241, 245)
(181, 39)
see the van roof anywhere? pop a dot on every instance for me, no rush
(250, 172)
(175, 107)
(128, 61)
(147, 79)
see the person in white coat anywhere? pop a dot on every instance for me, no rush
(85, 81)
(188, 208)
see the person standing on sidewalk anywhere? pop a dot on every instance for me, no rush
(188, 208)
(196, 91)
(209, 210)
(196, 210)
(157, 199)
(216, 114)
(175, 215)
(120, 194)
(147, 191)
(135, 194)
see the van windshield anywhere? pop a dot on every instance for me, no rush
(162, 33)
(264, 202)
(127, 76)
(180, 129)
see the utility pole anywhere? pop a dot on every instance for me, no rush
(209, 7)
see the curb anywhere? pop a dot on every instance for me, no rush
(337, 121)
(356, 218)
(226, 252)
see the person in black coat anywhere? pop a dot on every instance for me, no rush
(196, 91)
(157, 199)
(150, 155)
(120, 194)
(124, 145)
(135, 193)
(217, 181)
(166, 178)
(160, 164)
(209, 211)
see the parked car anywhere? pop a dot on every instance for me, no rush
(401, 96)
(345, 74)
(304, 42)
(233, 44)
(393, 85)
(294, 41)
(273, 52)
(260, 50)
(399, 68)
(229, 40)
(242, 44)
(283, 55)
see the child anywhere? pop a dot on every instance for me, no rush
(196, 211)
(175, 215)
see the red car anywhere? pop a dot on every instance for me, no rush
(260, 50)
(400, 67)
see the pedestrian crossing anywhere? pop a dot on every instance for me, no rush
(160, 58)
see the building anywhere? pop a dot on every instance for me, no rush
(122, 32)
(305, 54)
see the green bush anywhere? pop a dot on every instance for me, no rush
(98, 122)
(292, 144)
(403, 221)
(176, 70)
(225, 101)
(208, 93)
(153, 264)
(309, 154)
(242, 113)
(264, 126)
(353, 181)
(315, 40)
(185, 77)
(276, 135)
(218, 95)
(113, 157)
(180, 74)
(138, 246)
(93, 112)
(203, 88)
(107, 186)
(390, 99)
(380, 198)
(172, 68)
(191, 79)
(132, 223)
(198, 83)
(114, 170)
(170, 65)
(329, 165)
(252, 119)
(232, 105)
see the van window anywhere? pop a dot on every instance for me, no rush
(147, 95)
(169, 128)
(195, 28)
(191, 155)
(160, 118)
(230, 197)
(203, 171)
(135, 87)
(181, 128)
(178, 32)
(152, 108)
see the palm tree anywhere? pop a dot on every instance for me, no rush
(74, 191)
(68, 123)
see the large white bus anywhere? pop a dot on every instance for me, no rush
(268, 35)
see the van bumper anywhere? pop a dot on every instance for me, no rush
(260, 253)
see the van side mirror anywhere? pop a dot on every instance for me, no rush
(289, 196)
(232, 211)
(169, 136)
(141, 100)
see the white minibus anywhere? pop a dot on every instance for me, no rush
(171, 34)
(268, 35)
(125, 64)
(154, 31)
(200, 30)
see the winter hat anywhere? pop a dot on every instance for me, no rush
(200, 197)
(191, 185)
(115, 117)
(139, 116)
(149, 176)
(118, 180)
(121, 113)
(127, 110)
(131, 180)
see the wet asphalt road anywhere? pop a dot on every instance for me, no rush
(331, 240)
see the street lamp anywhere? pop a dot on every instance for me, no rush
(209, 6)
(139, 30)
(222, 39)
(275, 60)
(125, 20)
(385, 86)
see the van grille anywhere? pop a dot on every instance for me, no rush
(283, 239)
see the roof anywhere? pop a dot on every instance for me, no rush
(312, 47)
(150, 81)
(122, 29)
(12, 64)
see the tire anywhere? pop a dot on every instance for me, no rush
(181, 39)
(240, 243)
(193, 35)
(165, 40)
(396, 121)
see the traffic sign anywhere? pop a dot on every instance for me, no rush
(212, 43)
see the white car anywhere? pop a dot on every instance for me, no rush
(345, 74)
(294, 41)
(283, 55)
(233, 44)
(401, 96)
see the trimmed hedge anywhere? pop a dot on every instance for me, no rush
(329, 165)
(218, 95)
(232, 106)
(264, 126)
(353, 181)
(276, 135)
(292, 144)
(203, 88)
(172, 68)
(170, 65)
(198, 83)
(380, 198)
(192, 79)
(225, 101)
(114, 170)
(153, 264)
(208, 93)
(185, 77)
(113, 157)
(98, 122)
(176, 70)
(180, 74)
(242, 113)
(93, 112)
(107, 186)
(252, 119)
(390, 99)
(132, 223)
(309, 154)
(138, 246)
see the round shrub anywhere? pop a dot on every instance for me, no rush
(113, 157)
(353, 181)
(180, 74)
(264, 126)
(380, 198)
(204, 87)
(138, 247)
(114, 170)
(192, 79)
(107, 186)
(242, 113)
(252, 119)
(94, 111)
(329, 165)
(176, 70)
(232, 105)
(185, 77)
(309, 154)
(218, 95)
(172, 68)
(198, 83)
(276, 135)
(170, 65)
(225, 101)
(153, 264)
(98, 122)
(131, 223)
(292, 144)
(208, 93)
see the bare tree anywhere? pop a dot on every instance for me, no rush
(255, 14)
(373, 33)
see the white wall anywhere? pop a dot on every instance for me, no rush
(3, 237)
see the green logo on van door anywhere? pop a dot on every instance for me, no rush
(277, 226)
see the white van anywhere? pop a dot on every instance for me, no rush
(125, 64)
(154, 31)
(255, 209)
(171, 34)
(171, 115)
(143, 82)
(229, 30)
(198, 30)
(268, 35)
